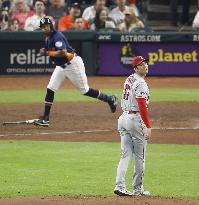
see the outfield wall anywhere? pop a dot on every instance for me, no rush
(169, 54)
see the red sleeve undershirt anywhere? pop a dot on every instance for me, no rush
(143, 111)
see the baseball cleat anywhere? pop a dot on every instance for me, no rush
(43, 121)
(143, 193)
(122, 192)
(113, 103)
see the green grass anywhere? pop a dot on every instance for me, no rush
(53, 168)
(70, 95)
(175, 95)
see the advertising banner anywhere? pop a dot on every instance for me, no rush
(165, 59)
(22, 57)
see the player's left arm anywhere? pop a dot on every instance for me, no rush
(143, 111)
(145, 116)
(141, 97)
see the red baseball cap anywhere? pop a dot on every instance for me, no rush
(137, 60)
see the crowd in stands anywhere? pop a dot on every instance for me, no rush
(25, 15)
(183, 19)
(116, 15)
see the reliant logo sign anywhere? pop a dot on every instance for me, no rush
(30, 57)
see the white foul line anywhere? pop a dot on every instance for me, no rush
(54, 133)
(89, 131)
(176, 128)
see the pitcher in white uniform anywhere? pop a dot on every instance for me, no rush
(134, 128)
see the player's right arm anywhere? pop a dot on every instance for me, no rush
(60, 54)
(60, 51)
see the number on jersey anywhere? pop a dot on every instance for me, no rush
(126, 92)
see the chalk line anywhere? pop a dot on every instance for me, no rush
(89, 131)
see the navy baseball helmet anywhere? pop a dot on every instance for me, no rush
(45, 21)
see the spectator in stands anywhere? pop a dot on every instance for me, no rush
(21, 11)
(56, 9)
(101, 21)
(4, 18)
(47, 4)
(32, 23)
(132, 1)
(117, 14)
(139, 4)
(68, 22)
(133, 4)
(90, 12)
(195, 24)
(5, 4)
(14, 25)
(131, 22)
(78, 25)
(184, 19)
(80, 2)
(109, 3)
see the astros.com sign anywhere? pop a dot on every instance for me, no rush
(28, 57)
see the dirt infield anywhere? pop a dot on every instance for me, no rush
(94, 122)
(95, 200)
(175, 123)
(172, 122)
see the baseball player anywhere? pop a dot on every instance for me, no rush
(68, 65)
(134, 128)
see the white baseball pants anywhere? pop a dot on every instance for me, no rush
(133, 133)
(75, 72)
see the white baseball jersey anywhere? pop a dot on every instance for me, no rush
(134, 87)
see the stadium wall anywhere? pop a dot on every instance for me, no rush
(105, 53)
